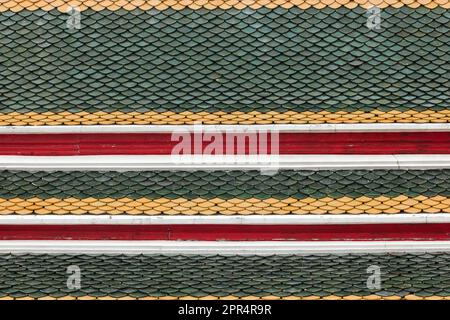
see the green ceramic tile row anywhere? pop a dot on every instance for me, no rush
(196, 275)
(225, 60)
(224, 184)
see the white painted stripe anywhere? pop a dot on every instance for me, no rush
(356, 127)
(423, 218)
(213, 247)
(266, 163)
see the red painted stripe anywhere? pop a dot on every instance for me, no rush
(289, 143)
(227, 232)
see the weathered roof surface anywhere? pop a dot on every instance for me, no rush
(225, 192)
(265, 65)
(222, 62)
(406, 276)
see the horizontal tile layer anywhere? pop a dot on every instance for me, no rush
(230, 232)
(219, 206)
(225, 192)
(403, 276)
(224, 186)
(97, 5)
(237, 117)
(213, 61)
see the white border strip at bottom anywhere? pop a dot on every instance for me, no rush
(225, 162)
(319, 127)
(223, 248)
(323, 219)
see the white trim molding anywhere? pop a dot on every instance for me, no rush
(305, 128)
(268, 163)
(327, 219)
(223, 248)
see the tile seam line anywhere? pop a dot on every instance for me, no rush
(24, 120)
(165, 5)
(262, 248)
(267, 164)
(419, 218)
(294, 128)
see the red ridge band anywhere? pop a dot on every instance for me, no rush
(439, 231)
(289, 143)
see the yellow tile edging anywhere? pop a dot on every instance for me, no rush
(254, 117)
(182, 206)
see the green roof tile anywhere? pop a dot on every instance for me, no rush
(225, 60)
(39, 275)
(224, 184)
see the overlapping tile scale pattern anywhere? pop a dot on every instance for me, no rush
(234, 66)
(177, 62)
(405, 276)
(97, 5)
(225, 192)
